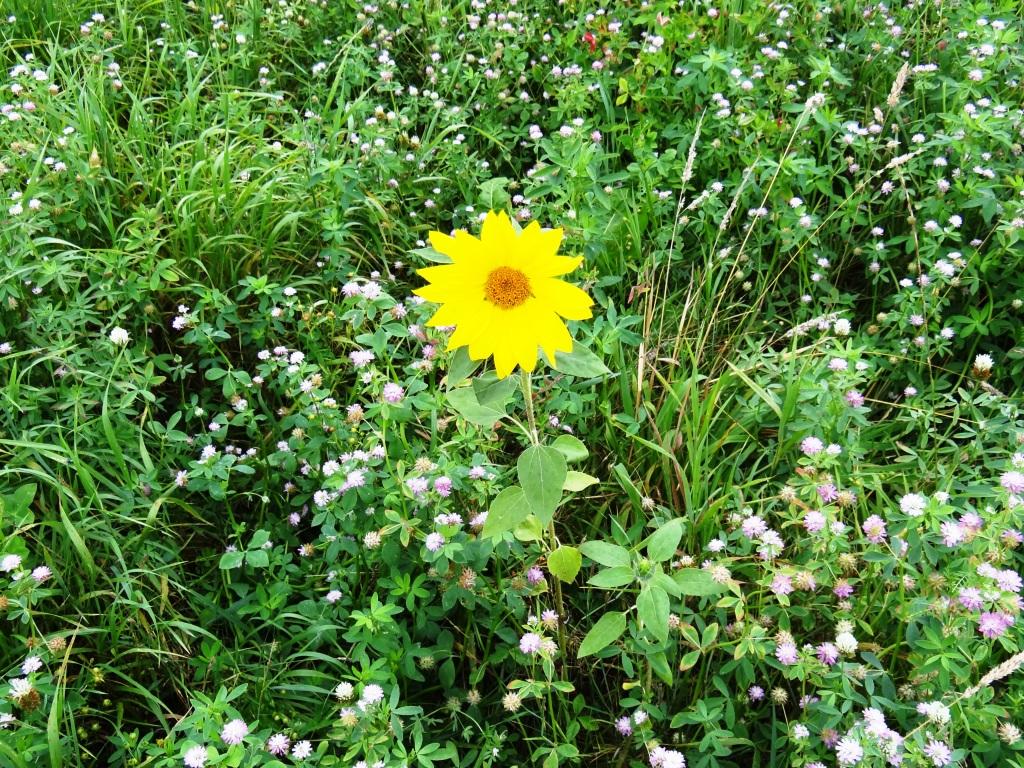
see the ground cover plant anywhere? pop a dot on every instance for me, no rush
(530, 384)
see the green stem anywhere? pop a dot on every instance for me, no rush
(526, 379)
(559, 606)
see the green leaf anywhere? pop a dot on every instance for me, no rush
(660, 666)
(493, 392)
(231, 560)
(578, 481)
(259, 538)
(19, 501)
(708, 637)
(15, 507)
(606, 553)
(653, 607)
(431, 255)
(529, 530)
(663, 542)
(492, 193)
(610, 578)
(580, 362)
(606, 631)
(215, 374)
(78, 543)
(461, 367)
(257, 558)
(465, 403)
(571, 447)
(565, 563)
(697, 582)
(688, 660)
(622, 475)
(541, 474)
(508, 510)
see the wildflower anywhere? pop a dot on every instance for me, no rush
(814, 521)
(10, 563)
(939, 753)
(418, 485)
(827, 493)
(846, 642)
(913, 504)
(874, 529)
(935, 711)
(1008, 580)
(302, 750)
(196, 757)
(348, 717)
(20, 688)
(994, 624)
(1009, 733)
(782, 584)
(849, 751)
(517, 304)
(970, 598)
(333, 596)
(874, 723)
(952, 534)
(119, 336)
(786, 653)
(755, 693)
(41, 574)
(530, 643)
(753, 527)
(31, 664)
(1013, 481)
(434, 542)
(234, 732)
(393, 393)
(828, 653)
(511, 701)
(344, 691)
(983, 365)
(811, 446)
(361, 358)
(535, 575)
(278, 744)
(443, 486)
(805, 580)
(372, 694)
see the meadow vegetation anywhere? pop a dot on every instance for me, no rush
(768, 510)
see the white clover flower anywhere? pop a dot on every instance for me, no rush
(119, 336)
(913, 504)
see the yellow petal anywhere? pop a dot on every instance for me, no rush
(564, 298)
(463, 247)
(551, 333)
(453, 313)
(512, 349)
(556, 265)
(497, 233)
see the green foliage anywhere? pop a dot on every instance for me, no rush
(775, 485)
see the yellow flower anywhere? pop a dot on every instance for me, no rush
(502, 294)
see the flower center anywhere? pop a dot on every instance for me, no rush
(507, 287)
